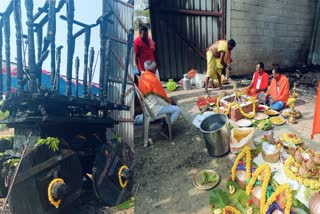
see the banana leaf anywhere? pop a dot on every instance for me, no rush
(297, 204)
(219, 198)
(126, 205)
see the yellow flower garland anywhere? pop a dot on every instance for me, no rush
(230, 105)
(312, 184)
(264, 167)
(245, 151)
(50, 197)
(279, 190)
(232, 209)
(122, 184)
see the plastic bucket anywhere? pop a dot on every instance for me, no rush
(216, 134)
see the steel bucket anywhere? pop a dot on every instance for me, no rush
(216, 134)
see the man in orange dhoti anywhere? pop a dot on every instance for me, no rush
(278, 91)
(155, 96)
(259, 83)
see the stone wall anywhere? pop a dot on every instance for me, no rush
(271, 31)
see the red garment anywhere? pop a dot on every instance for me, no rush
(149, 84)
(284, 89)
(144, 51)
(264, 80)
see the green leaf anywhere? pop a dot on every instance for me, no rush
(219, 198)
(297, 204)
(51, 142)
(212, 178)
(127, 204)
(204, 176)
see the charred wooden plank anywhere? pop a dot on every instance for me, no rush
(17, 20)
(6, 20)
(77, 65)
(91, 59)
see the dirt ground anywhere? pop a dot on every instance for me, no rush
(163, 172)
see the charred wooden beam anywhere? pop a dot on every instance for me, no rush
(103, 41)
(1, 44)
(51, 35)
(41, 10)
(58, 61)
(85, 65)
(126, 68)
(77, 65)
(31, 50)
(8, 10)
(17, 20)
(70, 40)
(91, 59)
(106, 72)
(6, 20)
(39, 33)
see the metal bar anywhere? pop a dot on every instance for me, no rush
(70, 40)
(106, 73)
(103, 39)
(6, 20)
(31, 50)
(77, 65)
(118, 17)
(85, 65)
(117, 58)
(51, 36)
(1, 45)
(223, 12)
(124, 3)
(58, 61)
(188, 12)
(17, 20)
(91, 59)
(126, 69)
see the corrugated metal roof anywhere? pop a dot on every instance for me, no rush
(118, 32)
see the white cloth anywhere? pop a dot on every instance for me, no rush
(259, 82)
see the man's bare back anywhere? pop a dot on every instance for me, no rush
(214, 49)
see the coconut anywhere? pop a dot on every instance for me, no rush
(314, 203)
(241, 178)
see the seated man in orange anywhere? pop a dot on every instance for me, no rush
(155, 96)
(259, 83)
(278, 91)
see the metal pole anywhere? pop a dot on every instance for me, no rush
(70, 40)
(126, 68)
(17, 20)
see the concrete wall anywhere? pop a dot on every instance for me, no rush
(271, 31)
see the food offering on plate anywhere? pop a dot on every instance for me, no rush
(263, 125)
(271, 112)
(244, 123)
(204, 102)
(304, 167)
(291, 138)
(244, 82)
(286, 113)
(278, 121)
(206, 179)
(260, 116)
(263, 108)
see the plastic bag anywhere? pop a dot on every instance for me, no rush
(241, 137)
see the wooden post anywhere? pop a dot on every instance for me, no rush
(106, 71)
(51, 35)
(31, 50)
(58, 61)
(77, 65)
(6, 20)
(70, 40)
(91, 59)
(85, 64)
(102, 57)
(1, 44)
(17, 20)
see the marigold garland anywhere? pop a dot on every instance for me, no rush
(279, 190)
(232, 209)
(55, 203)
(245, 151)
(264, 167)
(122, 184)
(230, 105)
(312, 184)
